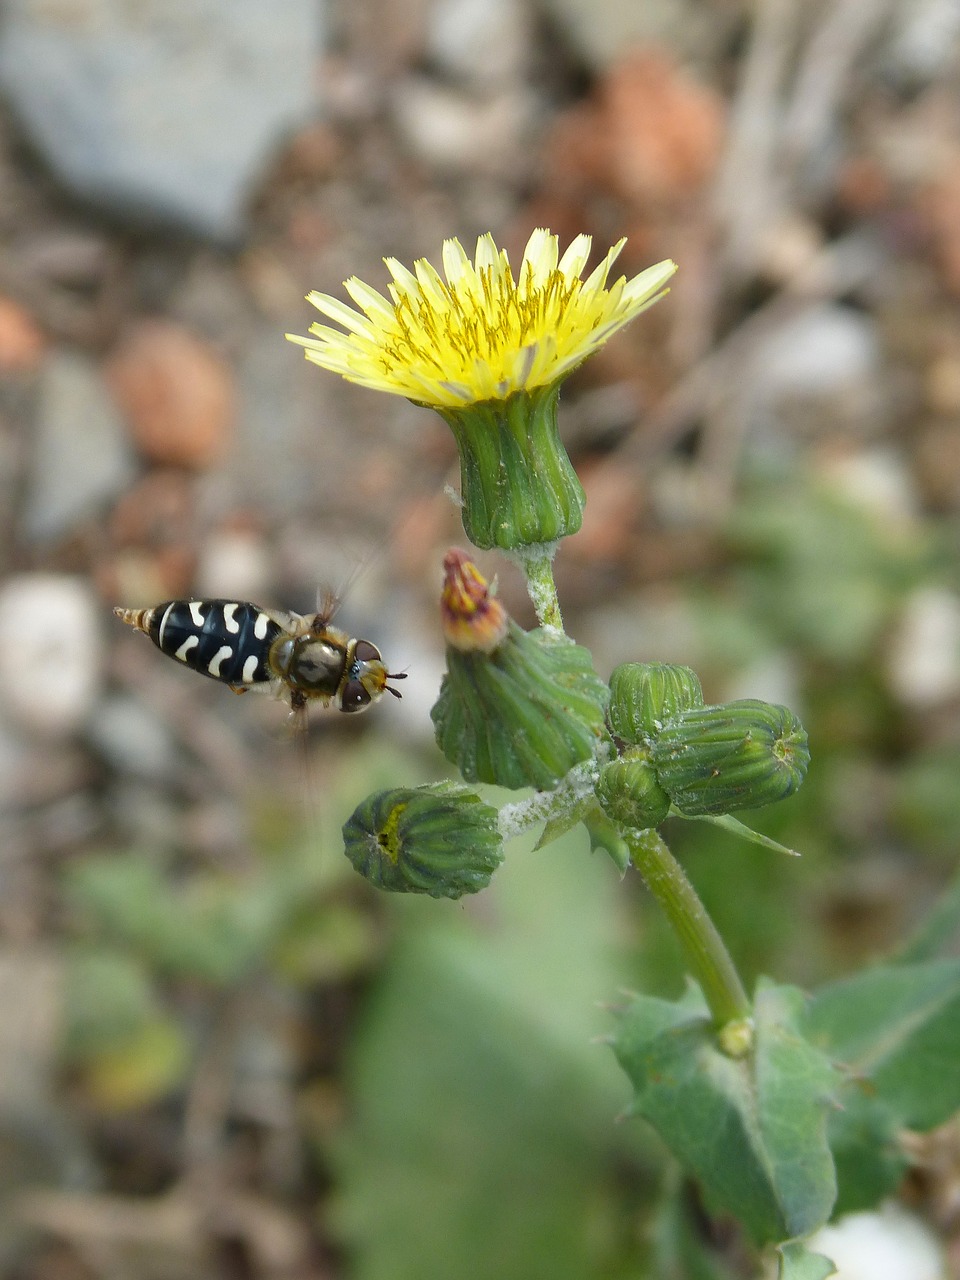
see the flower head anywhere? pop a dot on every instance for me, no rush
(479, 334)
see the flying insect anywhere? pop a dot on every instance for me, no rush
(300, 656)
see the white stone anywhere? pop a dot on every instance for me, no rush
(890, 1244)
(876, 480)
(50, 652)
(479, 42)
(447, 128)
(234, 565)
(924, 661)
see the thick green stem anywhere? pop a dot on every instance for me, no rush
(537, 565)
(706, 953)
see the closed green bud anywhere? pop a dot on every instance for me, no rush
(441, 839)
(741, 755)
(523, 715)
(644, 696)
(629, 793)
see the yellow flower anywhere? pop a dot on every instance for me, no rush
(479, 335)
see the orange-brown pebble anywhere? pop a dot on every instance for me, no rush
(473, 619)
(176, 391)
(21, 343)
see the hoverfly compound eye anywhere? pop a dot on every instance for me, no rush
(366, 652)
(354, 697)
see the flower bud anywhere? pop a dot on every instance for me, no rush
(441, 839)
(519, 713)
(629, 793)
(741, 755)
(471, 616)
(644, 696)
(523, 715)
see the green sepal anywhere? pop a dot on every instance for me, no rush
(741, 755)
(605, 835)
(737, 828)
(521, 716)
(441, 839)
(518, 485)
(644, 696)
(558, 824)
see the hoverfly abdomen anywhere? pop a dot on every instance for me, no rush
(223, 639)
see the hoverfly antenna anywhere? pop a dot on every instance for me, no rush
(395, 675)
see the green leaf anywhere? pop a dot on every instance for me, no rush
(680, 1246)
(897, 1026)
(798, 1263)
(752, 1130)
(864, 1137)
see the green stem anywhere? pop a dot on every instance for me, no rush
(705, 950)
(537, 565)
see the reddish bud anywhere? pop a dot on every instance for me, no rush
(473, 619)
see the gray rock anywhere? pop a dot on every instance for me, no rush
(81, 457)
(821, 351)
(163, 110)
(132, 741)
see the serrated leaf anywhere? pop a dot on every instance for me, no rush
(752, 1130)
(798, 1263)
(897, 1026)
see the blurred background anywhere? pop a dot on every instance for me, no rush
(221, 1054)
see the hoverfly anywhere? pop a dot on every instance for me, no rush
(301, 656)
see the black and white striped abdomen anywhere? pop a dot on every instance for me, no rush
(223, 639)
